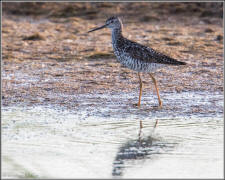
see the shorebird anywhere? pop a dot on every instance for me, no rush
(136, 56)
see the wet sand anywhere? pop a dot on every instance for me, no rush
(101, 138)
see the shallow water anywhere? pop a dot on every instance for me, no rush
(101, 138)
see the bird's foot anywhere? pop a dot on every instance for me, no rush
(160, 104)
(156, 107)
(137, 105)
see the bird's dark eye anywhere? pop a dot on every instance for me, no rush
(111, 20)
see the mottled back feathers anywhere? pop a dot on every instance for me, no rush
(144, 54)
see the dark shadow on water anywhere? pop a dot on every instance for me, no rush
(138, 150)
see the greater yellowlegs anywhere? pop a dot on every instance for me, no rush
(136, 56)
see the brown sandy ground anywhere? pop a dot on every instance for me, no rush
(46, 51)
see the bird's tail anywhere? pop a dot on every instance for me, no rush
(178, 63)
(172, 61)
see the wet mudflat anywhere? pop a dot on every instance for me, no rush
(68, 106)
(102, 138)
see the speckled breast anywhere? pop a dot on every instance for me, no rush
(135, 64)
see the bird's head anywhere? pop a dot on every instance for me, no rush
(112, 23)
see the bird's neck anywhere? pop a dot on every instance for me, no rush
(116, 34)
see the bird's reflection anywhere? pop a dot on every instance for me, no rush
(138, 149)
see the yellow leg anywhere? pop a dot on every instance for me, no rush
(156, 87)
(140, 93)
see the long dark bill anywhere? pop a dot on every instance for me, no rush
(97, 28)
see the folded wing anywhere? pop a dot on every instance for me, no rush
(149, 55)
